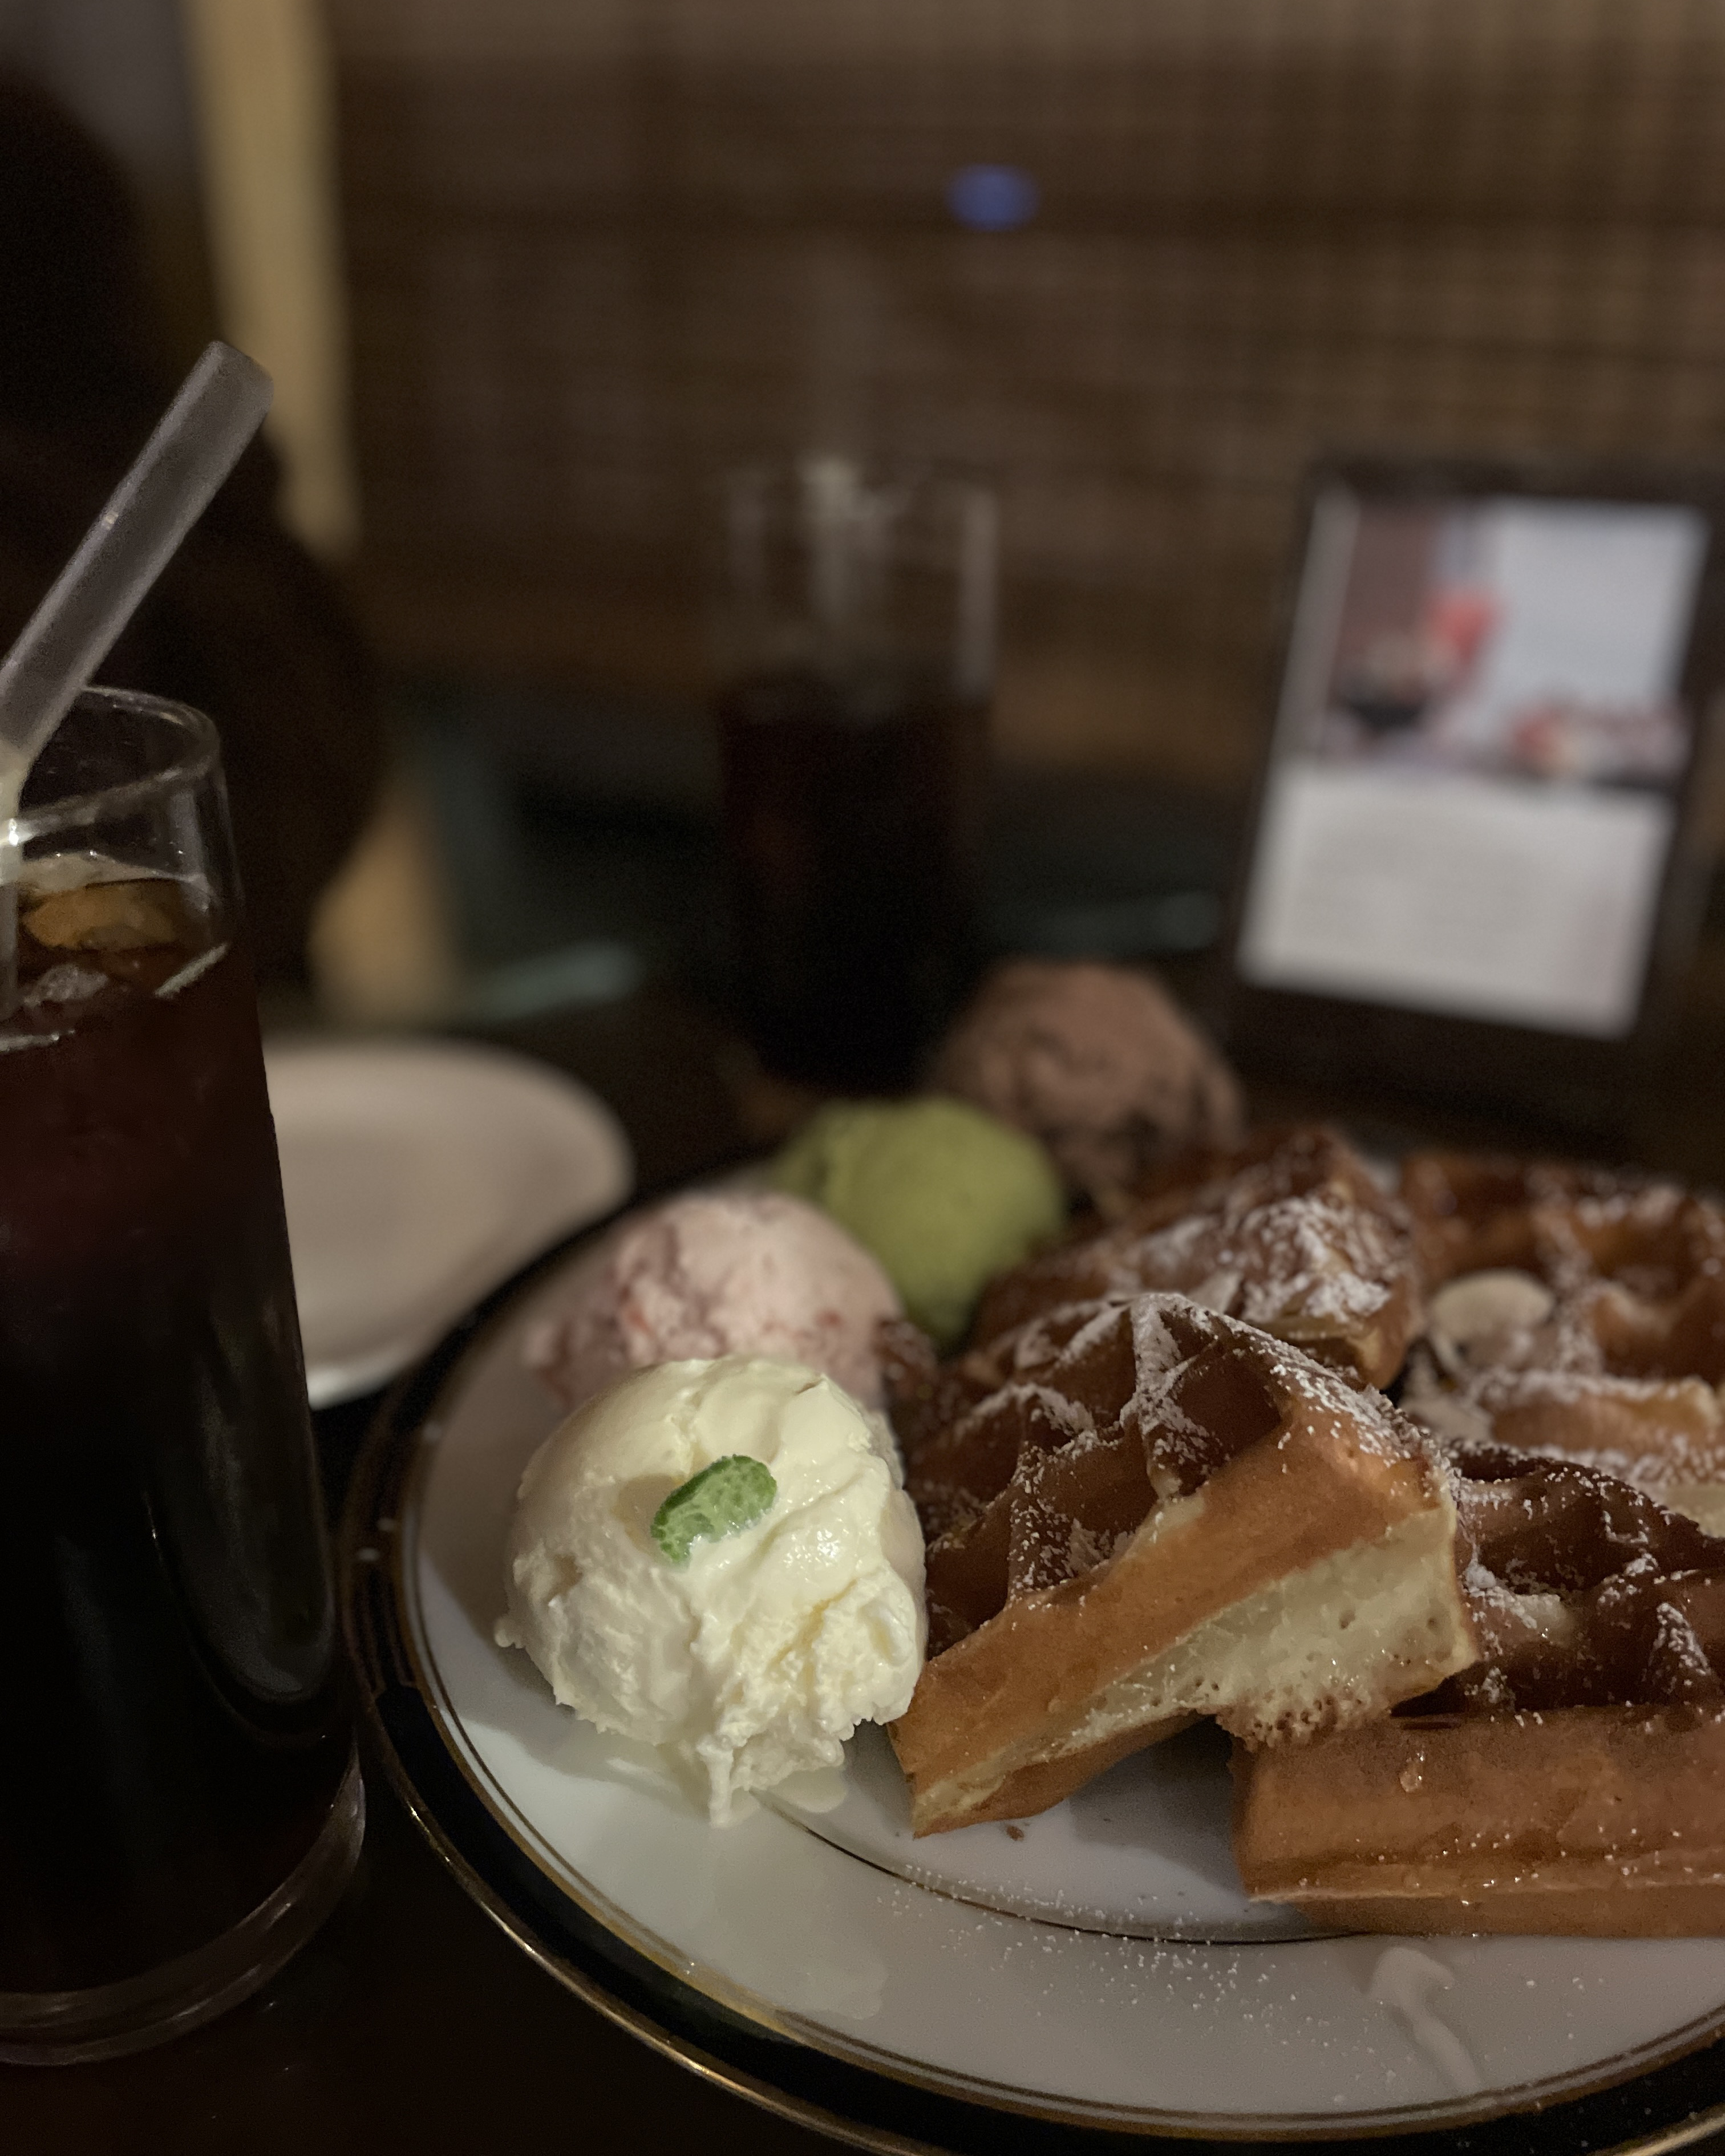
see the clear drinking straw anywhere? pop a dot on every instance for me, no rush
(220, 406)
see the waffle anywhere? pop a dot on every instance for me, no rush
(1140, 1511)
(1292, 1234)
(1568, 1782)
(1598, 1332)
(1664, 1435)
(1636, 1265)
(1473, 1212)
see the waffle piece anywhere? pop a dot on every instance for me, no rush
(1283, 1160)
(1637, 1267)
(1292, 1234)
(1664, 1435)
(1161, 1513)
(1608, 1354)
(1583, 1589)
(1472, 1212)
(1570, 1781)
(961, 1425)
(1589, 1822)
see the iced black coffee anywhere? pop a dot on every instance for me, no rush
(179, 1756)
(855, 659)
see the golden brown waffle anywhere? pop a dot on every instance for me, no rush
(1591, 1822)
(1664, 1435)
(1569, 1782)
(1473, 1212)
(1292, 1234)
(1609, 1342)
(1585, 1591)
(1155, 1512)
(1285, 1158)
(1638, 1265)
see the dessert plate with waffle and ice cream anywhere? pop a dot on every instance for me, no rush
(1038, 1603)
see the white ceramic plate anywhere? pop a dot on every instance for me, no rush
(418, 1175)
(1099, 1968)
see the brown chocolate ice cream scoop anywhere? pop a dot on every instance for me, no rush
(1098, 1062)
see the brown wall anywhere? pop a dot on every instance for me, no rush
(598, 251)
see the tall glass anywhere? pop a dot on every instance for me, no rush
(180, 1804)
(857, 655)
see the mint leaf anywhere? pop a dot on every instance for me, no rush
(723, 1499)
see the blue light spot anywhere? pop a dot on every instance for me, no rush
(992, 198)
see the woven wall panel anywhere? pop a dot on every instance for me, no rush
(598, 253)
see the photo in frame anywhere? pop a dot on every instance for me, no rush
(1472, 865)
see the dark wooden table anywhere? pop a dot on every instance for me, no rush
(411, 2023)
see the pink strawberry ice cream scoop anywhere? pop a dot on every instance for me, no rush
(718, 1273)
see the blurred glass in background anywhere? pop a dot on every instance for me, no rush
(854, 624)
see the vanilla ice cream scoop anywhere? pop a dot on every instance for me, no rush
(755, 1654)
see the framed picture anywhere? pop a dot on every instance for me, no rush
(1470, 868)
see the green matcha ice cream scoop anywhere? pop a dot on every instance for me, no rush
(944, 1196)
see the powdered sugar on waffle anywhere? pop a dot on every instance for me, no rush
(1298, 1240)
(1548, 1389)
(1584, 1591)
(1111, 1408)
(1182, 1452)
(1315, 1254)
